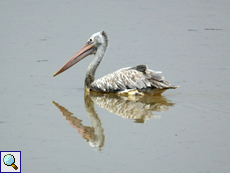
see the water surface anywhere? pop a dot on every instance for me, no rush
(58, 130)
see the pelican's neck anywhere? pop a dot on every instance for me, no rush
(90, 74)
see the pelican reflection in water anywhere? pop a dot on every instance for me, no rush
(137, 80)
(138, 108)
(94, 134)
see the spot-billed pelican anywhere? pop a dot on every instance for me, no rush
(129, 80)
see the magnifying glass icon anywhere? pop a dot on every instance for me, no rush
(9, 160)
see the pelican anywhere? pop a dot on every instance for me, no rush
(130, 80)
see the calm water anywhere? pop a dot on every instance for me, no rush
(59, 129)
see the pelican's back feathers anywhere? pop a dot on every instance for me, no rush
(139, 78)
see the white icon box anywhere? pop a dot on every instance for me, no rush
(10, 161)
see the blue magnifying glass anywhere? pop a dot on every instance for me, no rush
(9, 160)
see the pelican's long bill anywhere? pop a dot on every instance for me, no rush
(86, 50)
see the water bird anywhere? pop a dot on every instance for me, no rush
(138, 80)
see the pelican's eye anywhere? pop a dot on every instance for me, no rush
(90, 41)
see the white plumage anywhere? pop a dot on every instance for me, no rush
(138, 78)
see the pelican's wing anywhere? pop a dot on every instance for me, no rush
(138, 77)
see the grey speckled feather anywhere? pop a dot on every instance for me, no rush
(138, 78)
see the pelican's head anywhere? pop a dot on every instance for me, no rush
(94, 42)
